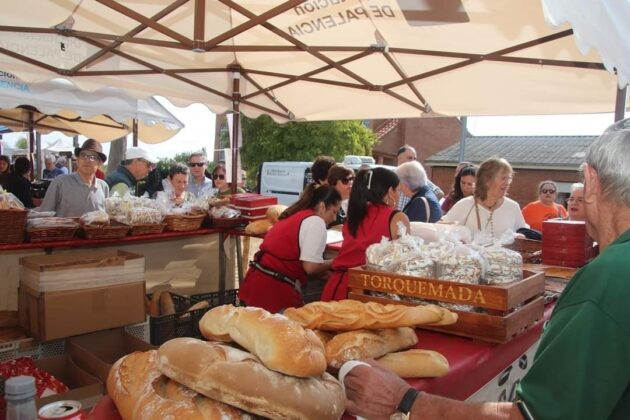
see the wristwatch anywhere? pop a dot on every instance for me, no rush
(403, 411)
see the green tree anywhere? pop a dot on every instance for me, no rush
(265, 140)
(21, 143)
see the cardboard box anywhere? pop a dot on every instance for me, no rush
(566, 243)
(97, 352)
(84, 387)
(51, 315)
(81, 270)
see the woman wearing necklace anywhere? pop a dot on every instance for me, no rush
(488, 213)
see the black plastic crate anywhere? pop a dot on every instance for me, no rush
(186, 323)
(179, 324)
(218, 298)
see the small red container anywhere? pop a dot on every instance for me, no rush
(252, 200)
(566, 243)
(65, 409)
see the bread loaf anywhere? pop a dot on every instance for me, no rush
(368, 344)
(258, 227)
(140, 392)
(155, 303)
(349, 315)
(324, 336)
(415, 363)
(167, 307)
(274, 212)
(238, 378)
(281, 345)
(199, 305)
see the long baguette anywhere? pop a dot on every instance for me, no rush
(349, 315)
(415, 363)
(239, 379)
(140, 391)
(368, 344)
(280, 344)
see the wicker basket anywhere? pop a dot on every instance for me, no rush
(46, 234)
(114, 230)
(147, 229)
(184, 222)
(12, 225)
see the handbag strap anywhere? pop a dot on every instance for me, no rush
(427, 208)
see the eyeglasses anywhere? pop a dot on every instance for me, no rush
(575, 200)
(89, 156)
(546, 191)
(346, 181)
(218, 176)
(196, 164)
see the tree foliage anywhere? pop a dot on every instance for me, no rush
(265, 140)
(21, 143)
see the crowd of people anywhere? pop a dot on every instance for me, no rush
(86, 187)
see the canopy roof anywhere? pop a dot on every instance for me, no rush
(314, 59)
(104, 115)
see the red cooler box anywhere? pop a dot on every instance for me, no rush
(566, 243)
(251, 205)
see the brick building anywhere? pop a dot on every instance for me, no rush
(534, 159)
(428, 135)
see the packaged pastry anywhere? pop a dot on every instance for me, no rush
(144, 216)
(95, 218)
(502, 265)
(463, 264)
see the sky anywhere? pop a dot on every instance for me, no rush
(199, 129)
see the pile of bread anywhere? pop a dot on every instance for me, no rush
(261, 226)
(271, 365)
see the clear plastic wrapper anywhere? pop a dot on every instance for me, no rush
(8, 201)
(462, 264)
(144, 216)
(51, 222)
(502, 265)
(95, 218)
(39, 214)
(224, 212)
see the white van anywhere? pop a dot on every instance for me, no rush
(285, 180)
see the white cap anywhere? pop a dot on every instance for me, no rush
(140, 153)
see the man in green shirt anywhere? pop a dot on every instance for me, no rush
(582, 366)
(136, 166)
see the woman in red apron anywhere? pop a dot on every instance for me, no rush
(371, 216)
(291, 251)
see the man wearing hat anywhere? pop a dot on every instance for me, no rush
(80, 192)
(136, 166)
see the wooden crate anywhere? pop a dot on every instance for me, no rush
(507, 309)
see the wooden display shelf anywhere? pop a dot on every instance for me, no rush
(505, 310)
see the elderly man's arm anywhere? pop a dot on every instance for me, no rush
(374, 393)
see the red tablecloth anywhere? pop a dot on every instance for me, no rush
(472, 363)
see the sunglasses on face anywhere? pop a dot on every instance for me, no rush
(346, 181)
(89, 156)
(196, 164)
(546, 191)
(218, 176)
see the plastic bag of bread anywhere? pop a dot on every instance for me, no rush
(95, 218)
(258, 227)
(462, 264)
(434, 232)
(502, 265)
(386, 253)
(274, 212)
(144, 216)
(9, 201)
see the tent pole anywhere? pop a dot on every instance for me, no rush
(462, 137)
(620, 104)
(37, 167)
(236, 97)
(31, 133)
(135, 132)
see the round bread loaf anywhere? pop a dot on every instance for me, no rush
(274, 212)
(140, 392)
(238, 378)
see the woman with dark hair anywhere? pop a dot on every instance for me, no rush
(371, 216)
(219, 181)
(178, 177)
(5, 169)
(463, 186)
(291, 251)
(18, 182)
(342, 178)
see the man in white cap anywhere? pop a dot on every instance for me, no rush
(136, 166)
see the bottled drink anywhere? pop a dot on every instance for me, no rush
(19, 393)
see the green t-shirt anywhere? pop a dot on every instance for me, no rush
(582, 367)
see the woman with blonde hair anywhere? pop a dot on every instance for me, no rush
(489, 213)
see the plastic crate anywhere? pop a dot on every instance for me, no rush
(219, 298)
(141, 330)
(180, 324)
(31, 348)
